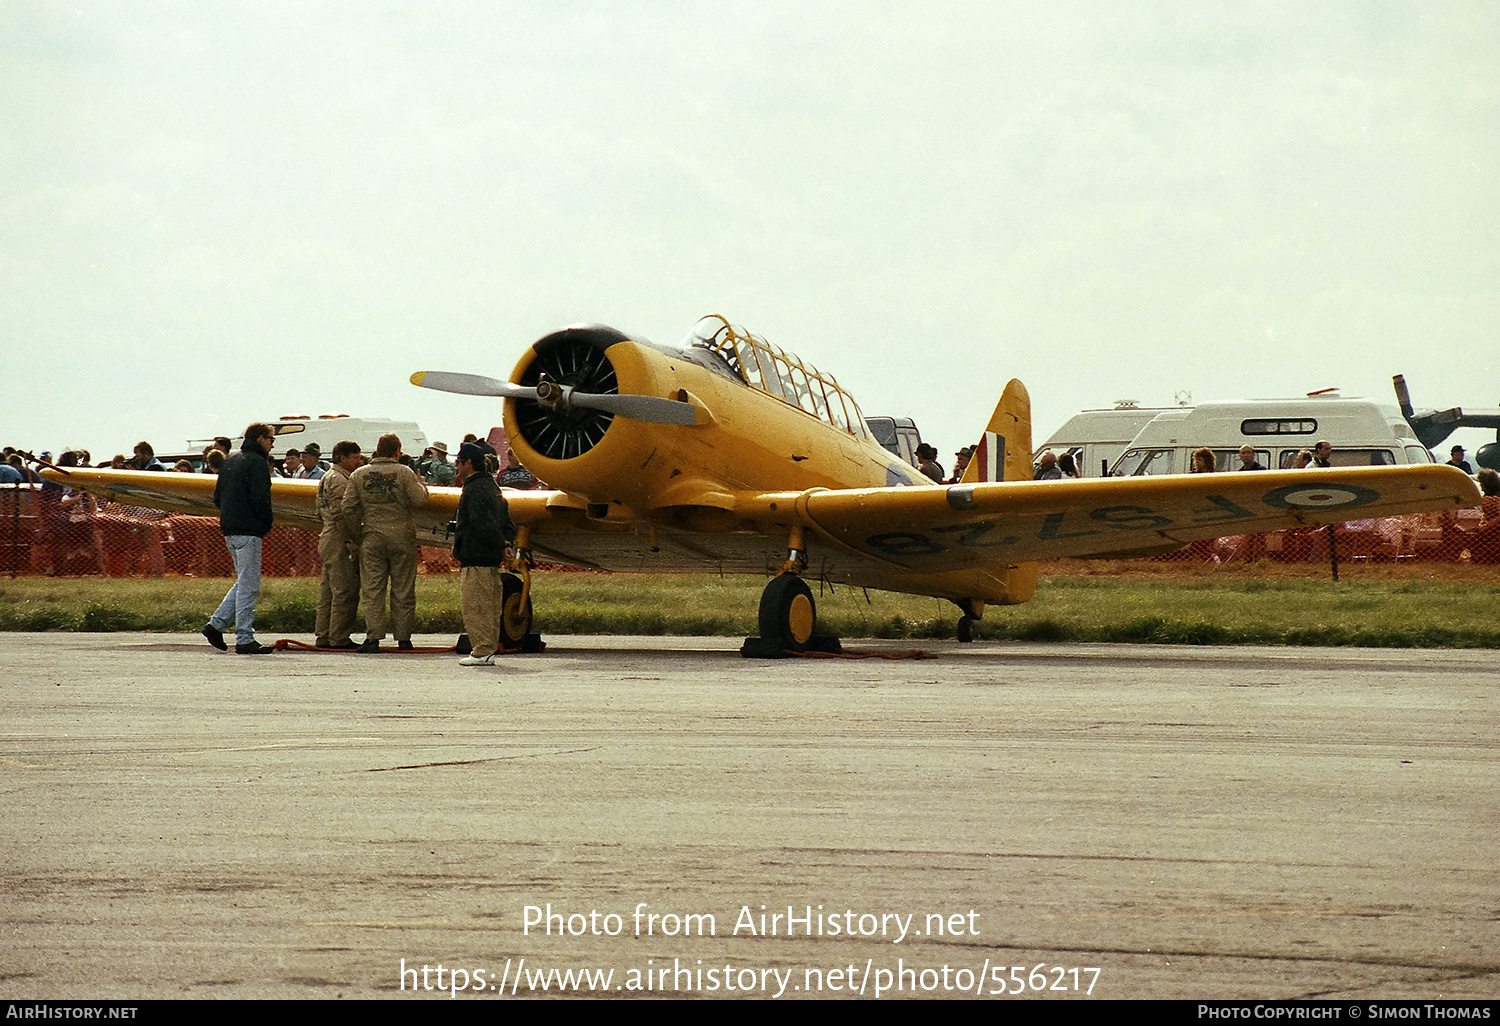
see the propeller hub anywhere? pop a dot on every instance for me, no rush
(553, 396)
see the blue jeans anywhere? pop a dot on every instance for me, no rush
(239, 602)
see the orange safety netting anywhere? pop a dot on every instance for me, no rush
(39, 537)
(42, 537)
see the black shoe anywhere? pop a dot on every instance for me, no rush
(369, 645)
(253, 648)
(215, 637)
(322, 643)
(344, 646)
(404, 646)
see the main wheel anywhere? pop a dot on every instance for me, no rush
(788, 613)
(966, 628)
(515, 615)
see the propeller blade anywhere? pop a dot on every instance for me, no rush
(637, 407)
(647, 408)
(471, 384)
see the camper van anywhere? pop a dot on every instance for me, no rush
(1096, 438)
(1361, 431)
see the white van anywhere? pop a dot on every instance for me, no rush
(1096, 438)
(330, 429)
(1361, 431)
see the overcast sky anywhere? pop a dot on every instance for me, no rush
(216, 212)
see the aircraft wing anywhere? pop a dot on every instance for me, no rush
(294, 503)
(970, 526)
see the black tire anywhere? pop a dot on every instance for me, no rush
(515, 616)
(965, 628)
(788, 614)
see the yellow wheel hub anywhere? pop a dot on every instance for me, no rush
(517, 623)
(799, 619)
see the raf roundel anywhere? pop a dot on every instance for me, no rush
(1320, 496)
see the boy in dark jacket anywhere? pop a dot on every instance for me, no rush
(482, 535)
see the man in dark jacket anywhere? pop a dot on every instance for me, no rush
(482, 533)
(243, 495)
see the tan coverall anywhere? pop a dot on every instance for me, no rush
(338, 588)
(377, 507)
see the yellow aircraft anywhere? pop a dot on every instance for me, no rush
(725, 453)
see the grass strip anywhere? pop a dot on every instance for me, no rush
(1219, 608)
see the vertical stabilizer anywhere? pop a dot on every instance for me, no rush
(1004, 452)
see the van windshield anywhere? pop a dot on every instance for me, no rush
(1143, 462)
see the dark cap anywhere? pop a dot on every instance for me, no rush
(470, 453)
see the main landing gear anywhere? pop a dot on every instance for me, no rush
(515, 613)
(788, 614)
(515, 606)
(515, 620)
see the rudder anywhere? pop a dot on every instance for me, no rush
(1004, 450)
(1004, 454)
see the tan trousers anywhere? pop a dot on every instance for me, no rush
(482, 593)
(338, 591)
(383, 562)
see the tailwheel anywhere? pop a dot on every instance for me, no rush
(972, 610)
(788, 618)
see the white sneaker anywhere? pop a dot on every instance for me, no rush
(474, 660)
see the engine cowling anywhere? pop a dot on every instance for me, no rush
(574, 357)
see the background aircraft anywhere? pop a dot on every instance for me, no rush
(1432, 427)
(726, 453)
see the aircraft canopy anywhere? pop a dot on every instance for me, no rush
(781, 375)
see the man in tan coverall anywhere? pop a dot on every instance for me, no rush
(377, 508)
(338, 590)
